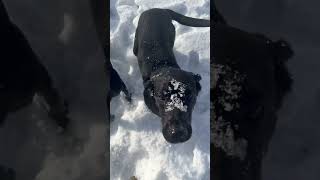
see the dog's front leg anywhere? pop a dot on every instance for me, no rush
(7, 173)
(117, 85)
(3, 115)
(56, 106)
(135, 44)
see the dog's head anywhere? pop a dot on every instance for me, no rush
(174, 94)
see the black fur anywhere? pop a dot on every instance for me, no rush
(216, 16)
(256, 66)
(116, 86)
(7, 173)
(115, 83)
(153, 44)
(22, 75)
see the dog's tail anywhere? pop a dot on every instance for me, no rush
(188, 21)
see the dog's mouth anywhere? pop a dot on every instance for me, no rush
(177, 133)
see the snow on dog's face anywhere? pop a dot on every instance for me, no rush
(174, 93)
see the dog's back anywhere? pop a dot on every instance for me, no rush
(155, 36)
(154, 40)
(155, 26)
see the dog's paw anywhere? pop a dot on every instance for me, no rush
(59, 114)
(61, 120)
(112, 118)
(2, 119)
(129, 97)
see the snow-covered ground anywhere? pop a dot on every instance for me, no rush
(137, 147)
(29, 142)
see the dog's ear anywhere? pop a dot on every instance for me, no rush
(282, 50)
(197, 77)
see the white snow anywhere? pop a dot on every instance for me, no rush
(175, 99)
(231, 86)
(222, 133)
(137, 147)
(29, 140)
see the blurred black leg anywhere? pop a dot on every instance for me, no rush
(108, 107)
(7, 173)
(57, 107)
(127, 94)
(3, 115)
(117, 85)
(112, 117)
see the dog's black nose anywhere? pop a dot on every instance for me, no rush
(177, 134)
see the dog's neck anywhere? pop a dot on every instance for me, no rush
(161, 71)
(157, 73)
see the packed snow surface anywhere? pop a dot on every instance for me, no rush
(137, 147)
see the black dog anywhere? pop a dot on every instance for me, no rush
(115, 84)
(22, 75)
(216, 15)
(7, 173)
(250, 81)
(170, 92)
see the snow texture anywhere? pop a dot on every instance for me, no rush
(222, 135)
(61, 33)
(231, 86)
(137, 146)
(175, 99)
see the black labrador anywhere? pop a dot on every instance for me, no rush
(250, 81)
(170, 92)
(22, 75)
(7, 173)
(115, 83)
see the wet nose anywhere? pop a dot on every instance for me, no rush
(177, 134)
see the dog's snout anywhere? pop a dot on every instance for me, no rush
(177, 134)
